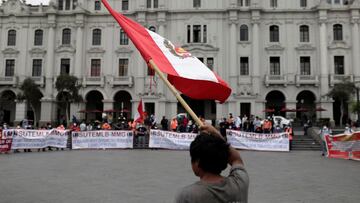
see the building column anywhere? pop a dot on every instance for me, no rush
(47, 112)
(79, 51)
(324, 72)
(255, 58)
(20, 112)
(291, 104)
(161, 88)
(356, 50)
(233, 52)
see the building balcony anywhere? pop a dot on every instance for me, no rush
(93, 81)
(9, 80)
(121, 81)
(39, 80)
(335, 79)
(275, 80)
(307, 80)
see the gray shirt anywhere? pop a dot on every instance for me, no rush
(233, 189)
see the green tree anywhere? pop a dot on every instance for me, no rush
(68, 92)
(32, 94)
(342, 92)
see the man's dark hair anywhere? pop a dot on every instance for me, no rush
(211, 152)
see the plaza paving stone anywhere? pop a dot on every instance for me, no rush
(154, 176)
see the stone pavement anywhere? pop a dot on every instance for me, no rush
(154, 176)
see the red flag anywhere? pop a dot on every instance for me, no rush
(187, 73)
(139, 116)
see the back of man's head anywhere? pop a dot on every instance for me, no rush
(211, 153)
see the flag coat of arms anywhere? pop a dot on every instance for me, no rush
(184, 71)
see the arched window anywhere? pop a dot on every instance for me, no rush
(11, 38)
(337, 28)
(66, 36)
(38, 40)
(304, 33)
(274, 33)
(244, 33)
(96, 40)
(152, 28)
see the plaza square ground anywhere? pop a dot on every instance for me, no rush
(155, 176)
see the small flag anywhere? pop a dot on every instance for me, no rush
(187, 73)
(140, 114)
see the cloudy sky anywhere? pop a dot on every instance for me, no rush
(36, 2)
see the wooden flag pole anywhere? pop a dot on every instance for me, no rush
(176, 93)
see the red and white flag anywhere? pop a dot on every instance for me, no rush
(187, 73)
(140, 114)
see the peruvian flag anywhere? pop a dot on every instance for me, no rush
(140, 114)
(187, 73)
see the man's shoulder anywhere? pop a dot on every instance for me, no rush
(189, 192)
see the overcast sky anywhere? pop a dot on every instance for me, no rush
(37, 2)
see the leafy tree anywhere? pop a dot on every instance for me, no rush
(32, 94)
(342, 92)
(68, 92)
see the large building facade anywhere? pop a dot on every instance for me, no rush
(273, 53)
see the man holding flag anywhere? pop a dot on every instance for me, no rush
(209, 152)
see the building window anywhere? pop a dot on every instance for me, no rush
(11, 38)
(9, 67)
(201, 59)
(244, 3)
(305, 67)
(210, 63)
(196, 3)
(148, 3)
(204, 33)
(244, 33)
(125, 5)
(303, 3)
(196, 33)
(337, 28)
(336, 1)
(97, 6)
(67, 4)
(156, 4)
(339, 65)
(95, 68)
(152, 28)
(36, 68)
(273, 3)
(66, 36)
(123, 67)
(274, 65)
(244, 65)
(74, 4)
(61, 4)
(274, 33)
(124, 40)
(304, 33)
(96, 37)
(38, 40)
(65, 67)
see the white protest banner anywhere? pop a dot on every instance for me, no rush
(258, 141)
(34, 139)
(102, 139)
(170, 140)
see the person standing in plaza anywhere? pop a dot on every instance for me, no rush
(324, 131)
(164, 123)
(210, 155)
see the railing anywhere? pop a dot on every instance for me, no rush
(335, 79)
(275, 80)
(93, 81)
(9, 80)
(39, 80)
(307, 80)
(121, 80)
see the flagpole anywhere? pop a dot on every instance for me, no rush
(176, 93)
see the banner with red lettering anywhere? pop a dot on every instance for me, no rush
(5, 144)
(170, 140)
(343, 146)
(258, 141)
(35, 139)
(105, 139)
